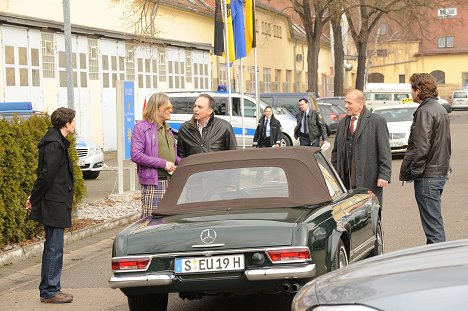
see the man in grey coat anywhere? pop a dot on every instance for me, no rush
(361, 154)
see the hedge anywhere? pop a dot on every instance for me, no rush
(18, 165)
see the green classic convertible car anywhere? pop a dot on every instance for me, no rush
(262, 220)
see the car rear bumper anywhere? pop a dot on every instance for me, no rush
(264, 274)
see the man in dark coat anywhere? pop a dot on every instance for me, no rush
(361, 154)
(204, 132)
(51, 201)
(310, 125)
(427, 159)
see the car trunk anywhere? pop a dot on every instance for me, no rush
(265, 228)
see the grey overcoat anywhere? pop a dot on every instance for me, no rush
(372, 157)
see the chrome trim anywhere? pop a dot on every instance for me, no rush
(143, 280)
(280, 273)
(207, 245)
(369, 241)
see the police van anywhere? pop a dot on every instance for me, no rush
(183, 111)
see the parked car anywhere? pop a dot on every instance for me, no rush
(183, 110)
(335, 100)
(460, 99)
(332, 114)
(290, 101)
(245, 221)
(430, 277)
(399, 119)
(90, 155)
(445, 104)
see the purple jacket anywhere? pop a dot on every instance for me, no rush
(144, 152)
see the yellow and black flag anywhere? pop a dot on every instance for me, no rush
(250, 33)
(218, 30)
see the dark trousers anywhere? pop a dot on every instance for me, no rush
(264, 142)
(428, 192)
(304, 140)
(52, 261)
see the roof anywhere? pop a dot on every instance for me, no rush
(305, 181)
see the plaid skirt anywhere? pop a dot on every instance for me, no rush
(151, 195)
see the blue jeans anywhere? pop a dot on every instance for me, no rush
(52, 260)
(428, 192)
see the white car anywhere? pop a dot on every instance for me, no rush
(399, 118)
(91, 157)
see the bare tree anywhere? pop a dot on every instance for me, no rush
(142, 14)
(336, 12)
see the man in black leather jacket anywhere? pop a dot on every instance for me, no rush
(204, 132)
(427, 159)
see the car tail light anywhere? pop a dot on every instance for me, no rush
(130, 263)
(334, 116)
(289, 254)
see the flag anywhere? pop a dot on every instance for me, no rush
(250, 32)
(230, 40)
(218, 30)
(238, 28)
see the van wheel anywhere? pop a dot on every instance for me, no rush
(286, 141)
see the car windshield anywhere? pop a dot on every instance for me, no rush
(460, 94)
(237, 183)
(397, 114)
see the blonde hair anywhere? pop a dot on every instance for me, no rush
(152, 105)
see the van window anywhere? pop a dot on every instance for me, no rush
(400, 96)
(182, 105)
(268, 100)
(382, 96)
(460, 94)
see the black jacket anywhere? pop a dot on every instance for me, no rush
(276, 132)
(218, 135)
(52, 194)
(316, 125)
(429, 144)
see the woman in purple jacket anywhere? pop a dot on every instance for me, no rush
(154, 151)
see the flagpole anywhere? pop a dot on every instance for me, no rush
(228, 71)
(242, 103)
(257, 96)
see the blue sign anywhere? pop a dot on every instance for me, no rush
(129, 115)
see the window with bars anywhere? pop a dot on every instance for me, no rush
(147, 73)
(48, 55)
(93, 59)
(130, 62)
(200, 74)
(176, 74)
(222, 75)
(188, 66)
(267, 79)
(162, 64)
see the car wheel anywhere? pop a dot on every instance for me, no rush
(379, 245)
(341, 257)
(285, 141)
(154, 302)
(91, 174)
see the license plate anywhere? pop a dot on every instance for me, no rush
(396, 144)
(81, 163)
(209, 264)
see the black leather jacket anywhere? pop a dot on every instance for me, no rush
(276, 132)
(218, 135)
(429, 144)
(316, 125)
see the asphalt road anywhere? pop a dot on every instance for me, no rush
(87, 262)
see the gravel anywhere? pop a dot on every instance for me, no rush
(113, 207)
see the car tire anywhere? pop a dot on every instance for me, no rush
(286, 141)
(154, 302)
(340, 259)
(91, 174)
(379, 245)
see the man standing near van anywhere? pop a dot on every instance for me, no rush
(204, 132)
(427, 159)
(310, 125)
(361, 155)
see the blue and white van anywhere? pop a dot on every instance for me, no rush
(183, 111)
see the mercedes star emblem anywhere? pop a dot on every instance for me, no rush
(208, 236)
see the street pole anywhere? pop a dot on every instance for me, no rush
(68, 52)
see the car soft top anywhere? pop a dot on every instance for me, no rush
(305, 179)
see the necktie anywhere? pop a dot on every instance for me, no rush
(304, 123)
(352, 125)
(265, 127)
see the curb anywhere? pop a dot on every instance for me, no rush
(21, 253)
